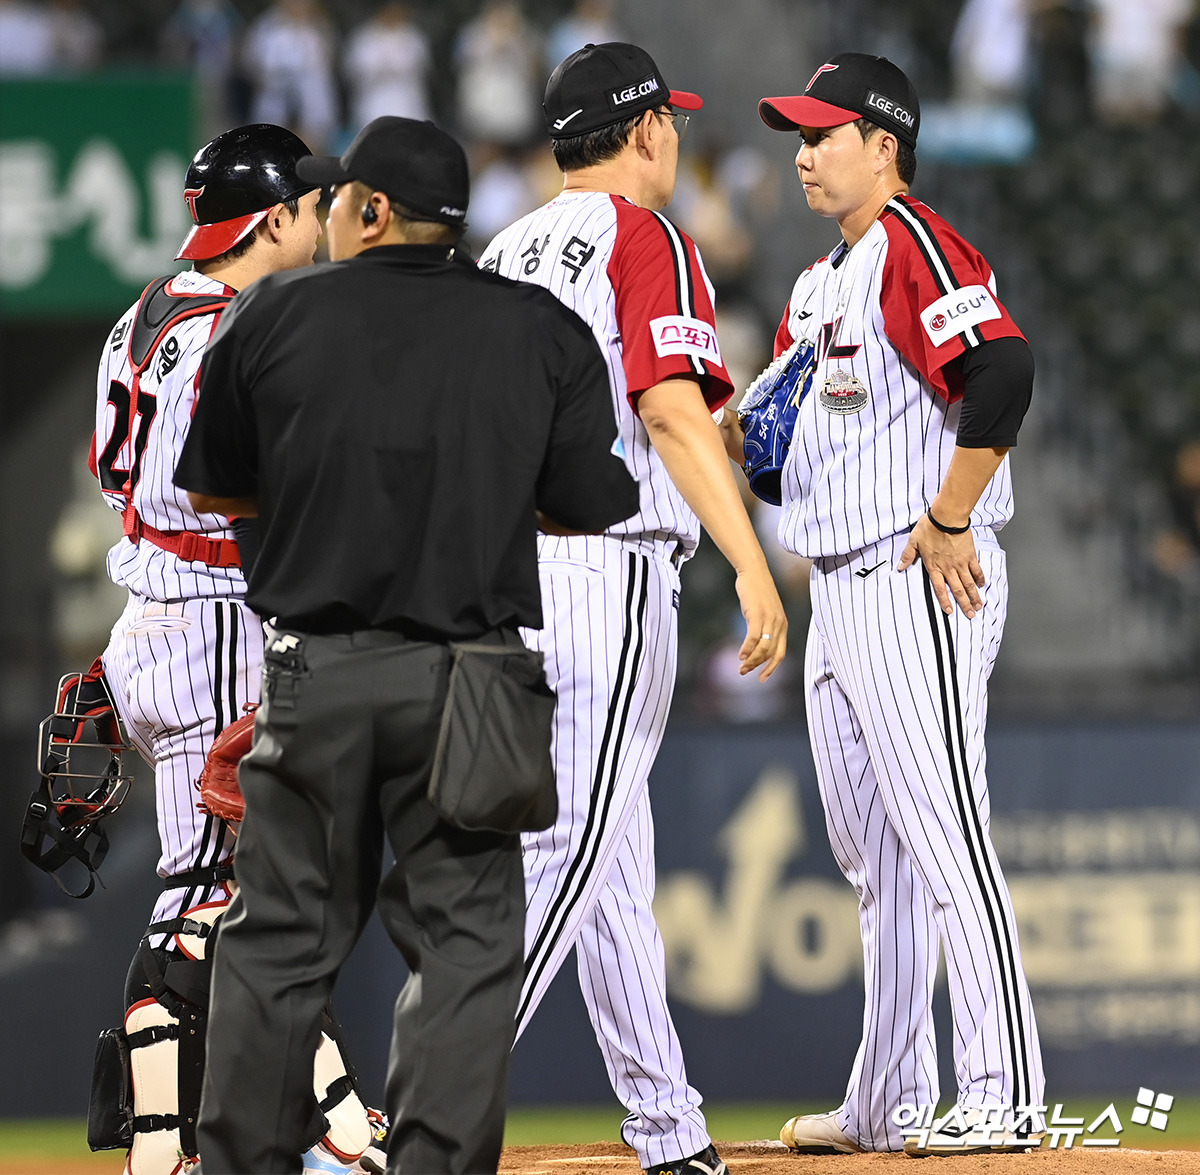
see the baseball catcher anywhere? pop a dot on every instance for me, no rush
(186, 655)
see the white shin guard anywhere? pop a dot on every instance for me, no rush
(350, 1130)
(154, 1040)
(154, 1060)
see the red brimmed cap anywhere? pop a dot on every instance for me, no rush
(846, 88)
(604, 84)
(211, 240)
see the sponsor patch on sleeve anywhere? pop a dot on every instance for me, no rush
(676, 334)
(956, 311)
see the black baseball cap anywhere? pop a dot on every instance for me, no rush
(602, 84)
(414, 163)
(848, 87)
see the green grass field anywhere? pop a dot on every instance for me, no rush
(527, 1126)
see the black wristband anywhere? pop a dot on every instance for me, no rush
(947, 529)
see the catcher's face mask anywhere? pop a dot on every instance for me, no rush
(80, 750)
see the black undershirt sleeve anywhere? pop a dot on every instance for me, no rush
(997, 388)
(248, 532)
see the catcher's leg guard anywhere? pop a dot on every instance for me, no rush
(349, 1131)
(167, 994)
(158, 1117)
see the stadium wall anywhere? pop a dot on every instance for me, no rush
(1098, 828)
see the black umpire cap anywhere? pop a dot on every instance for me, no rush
(415, 164)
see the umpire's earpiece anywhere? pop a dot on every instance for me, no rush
(369, 215)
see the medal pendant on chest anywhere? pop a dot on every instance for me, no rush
(843, 394)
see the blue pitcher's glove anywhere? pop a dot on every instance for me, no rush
(768, 417)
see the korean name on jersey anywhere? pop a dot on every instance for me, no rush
(640, 284)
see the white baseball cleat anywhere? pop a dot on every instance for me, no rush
(973, 1130)
(817, 1134)
(373, 1161)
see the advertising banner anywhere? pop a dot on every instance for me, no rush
(91, 172)
(1098, 831)
(1097, 827)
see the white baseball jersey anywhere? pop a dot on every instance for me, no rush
(609, 639)
(137, 444)
(639, 283)
(897, 690)
(875, 435)
(186, 654)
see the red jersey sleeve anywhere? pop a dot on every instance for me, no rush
(937, 295)
(664, 307)
(783, 336)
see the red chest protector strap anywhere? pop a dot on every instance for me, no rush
(159, 312)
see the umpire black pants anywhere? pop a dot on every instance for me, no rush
(342, 752)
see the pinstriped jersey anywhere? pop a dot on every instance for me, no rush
(140, 443)
(874, 436)
(639, 283)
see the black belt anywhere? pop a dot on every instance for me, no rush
(318, 626)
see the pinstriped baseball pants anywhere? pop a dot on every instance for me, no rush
(180, 673)
(897, 704)
(610, 648)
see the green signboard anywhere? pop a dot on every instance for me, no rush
(91, 173)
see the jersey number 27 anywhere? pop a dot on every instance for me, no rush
(112, 476)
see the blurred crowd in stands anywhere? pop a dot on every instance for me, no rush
(293, 64)
(1135, 50)
(991, 93)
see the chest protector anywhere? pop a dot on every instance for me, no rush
(158, 313)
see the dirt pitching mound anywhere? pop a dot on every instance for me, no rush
(773, 1158)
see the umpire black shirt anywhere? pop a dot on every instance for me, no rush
(399, 416)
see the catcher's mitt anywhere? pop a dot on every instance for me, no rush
(768, 417)
(220, 794)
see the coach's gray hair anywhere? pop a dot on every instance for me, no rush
(596, 146)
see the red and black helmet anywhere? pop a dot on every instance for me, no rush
(234, 181)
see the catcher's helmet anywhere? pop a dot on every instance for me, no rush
(234, 181)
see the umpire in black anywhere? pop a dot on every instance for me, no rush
(397, 420)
